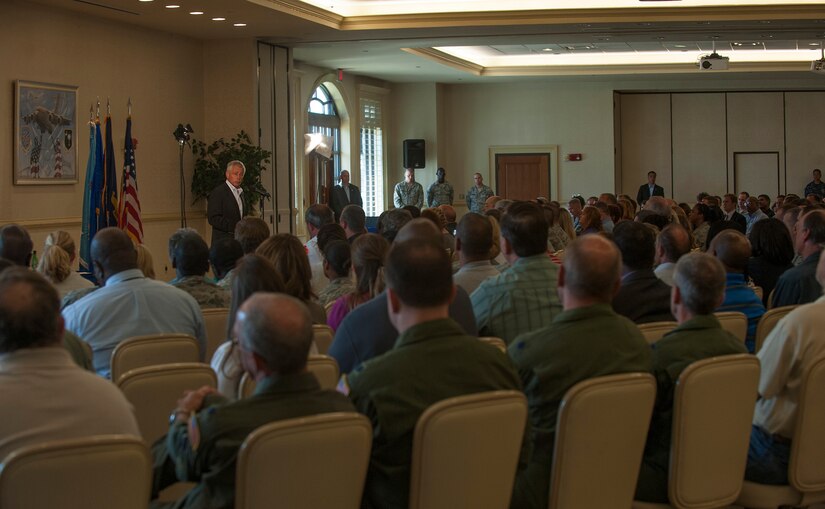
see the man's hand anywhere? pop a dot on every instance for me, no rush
(193, 400)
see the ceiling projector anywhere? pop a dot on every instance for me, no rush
(713, 62)
(818, 66)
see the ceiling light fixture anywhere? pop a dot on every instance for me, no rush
(218, 19)
(239, 25)
(173, 6)
(196, 13)
(146, 0)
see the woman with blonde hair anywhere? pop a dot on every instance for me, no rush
(57, 263)
(291, 262)
(368, 253)
(566, 222)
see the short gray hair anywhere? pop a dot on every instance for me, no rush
(235, 162)
(700, 278)
(176, 237)
(278, 328)
(592, 267)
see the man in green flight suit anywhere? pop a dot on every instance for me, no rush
(586, 340)
(433, 359)
(274, 334)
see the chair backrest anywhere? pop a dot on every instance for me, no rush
(805, 471)
(324, 367)
(214, 320)
(153, 350)
(654, 331)
(734, 322)
(465, 451)
(154, 392)
(768, 322)
(494, 341)
(712, 413)
(89, 473)
(596, 457)
(323, 336)
(305, 463)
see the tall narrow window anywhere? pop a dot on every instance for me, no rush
(324, 119)
(372, 157)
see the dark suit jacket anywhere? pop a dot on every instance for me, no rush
(222, 211)
(644, 193)
(643, 298)
(738, 218)
(338, 199)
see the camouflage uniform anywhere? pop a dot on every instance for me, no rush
(440, 194)
(476, 198)
(208, 295)
(336, 288)
(408, 195)
(226, 282)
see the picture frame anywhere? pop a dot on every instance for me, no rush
(45, 133)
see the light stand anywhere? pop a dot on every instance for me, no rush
(181, 134)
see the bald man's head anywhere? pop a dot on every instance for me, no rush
(113, 251)
(733, 249)
(592, 268)
(278, 329)
(674, 242)
(420, 229)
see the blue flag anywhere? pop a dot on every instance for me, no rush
(91, 196)
(110, 189)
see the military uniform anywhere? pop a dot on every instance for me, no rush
(208, 294)
(226, 281)
(696, 339)
(476, 198)
(580, 344)
(440, 194)
(336, 288)
(430, 362)
(205, 450)
(405, 194)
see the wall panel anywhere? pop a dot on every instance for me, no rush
(804, 114)
(698, 145)
(646, 144)
(756, 123)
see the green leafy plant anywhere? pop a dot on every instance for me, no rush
(211, 161)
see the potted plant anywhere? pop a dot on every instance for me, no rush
(211, 161)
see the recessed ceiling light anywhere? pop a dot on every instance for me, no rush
(813, 44)
(679, 46)
(173, 6)
(547, 49)
(146, 0)
(239, 24)
(196, 13)
(218, 19)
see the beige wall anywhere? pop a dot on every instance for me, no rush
(415, 115)
(163, 75)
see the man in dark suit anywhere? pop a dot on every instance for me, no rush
(729, 208)
(344, 194)
(642, 296)
(226, 206)
(649, 189)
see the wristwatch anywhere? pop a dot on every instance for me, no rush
(173, 417)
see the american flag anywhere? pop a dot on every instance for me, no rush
(129, 203)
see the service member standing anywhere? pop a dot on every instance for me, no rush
(478, 194)
(408, 192)
(441, 191)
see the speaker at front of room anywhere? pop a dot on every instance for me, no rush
(414, 154)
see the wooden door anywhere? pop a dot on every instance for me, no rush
(523, 176)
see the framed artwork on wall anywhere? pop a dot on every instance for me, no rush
(45, 126)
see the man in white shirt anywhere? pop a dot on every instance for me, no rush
(226, 206)
(671, 244)
(473, 243)
(317, 216)
(754, 213)
(46, 396)
(788, 351)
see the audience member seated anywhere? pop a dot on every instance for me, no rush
(733, 250)
(799, 284)
(223, 255)
(787, 353)
(337, 265)
(474, 243)
(590, 220)
(450, 217)
(698, 289)
(191, 261)
(423, 368)
(588, 339)
(172, 246)
(16, 245)
(368, 252)
(253, 274)
(128, 304)
(274, 334)
(753, 214)
(317, 216)
(329, 233)
(367, 331)
(700, 224)
(414, 211)
(731, 214)
(523, 297)
(720, 226)
(353, 221)
(46, 396)
(642, 297)
(604, 215)
(772, 254)
(660, 206)
(393, 222)
(437, 217)
(145, 262)
(557, 237)
(671, 244)
(58, 261)
(652, 218)
(251, 232)
(290, 260)
(765, 205)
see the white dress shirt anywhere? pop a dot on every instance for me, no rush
(236, 192)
